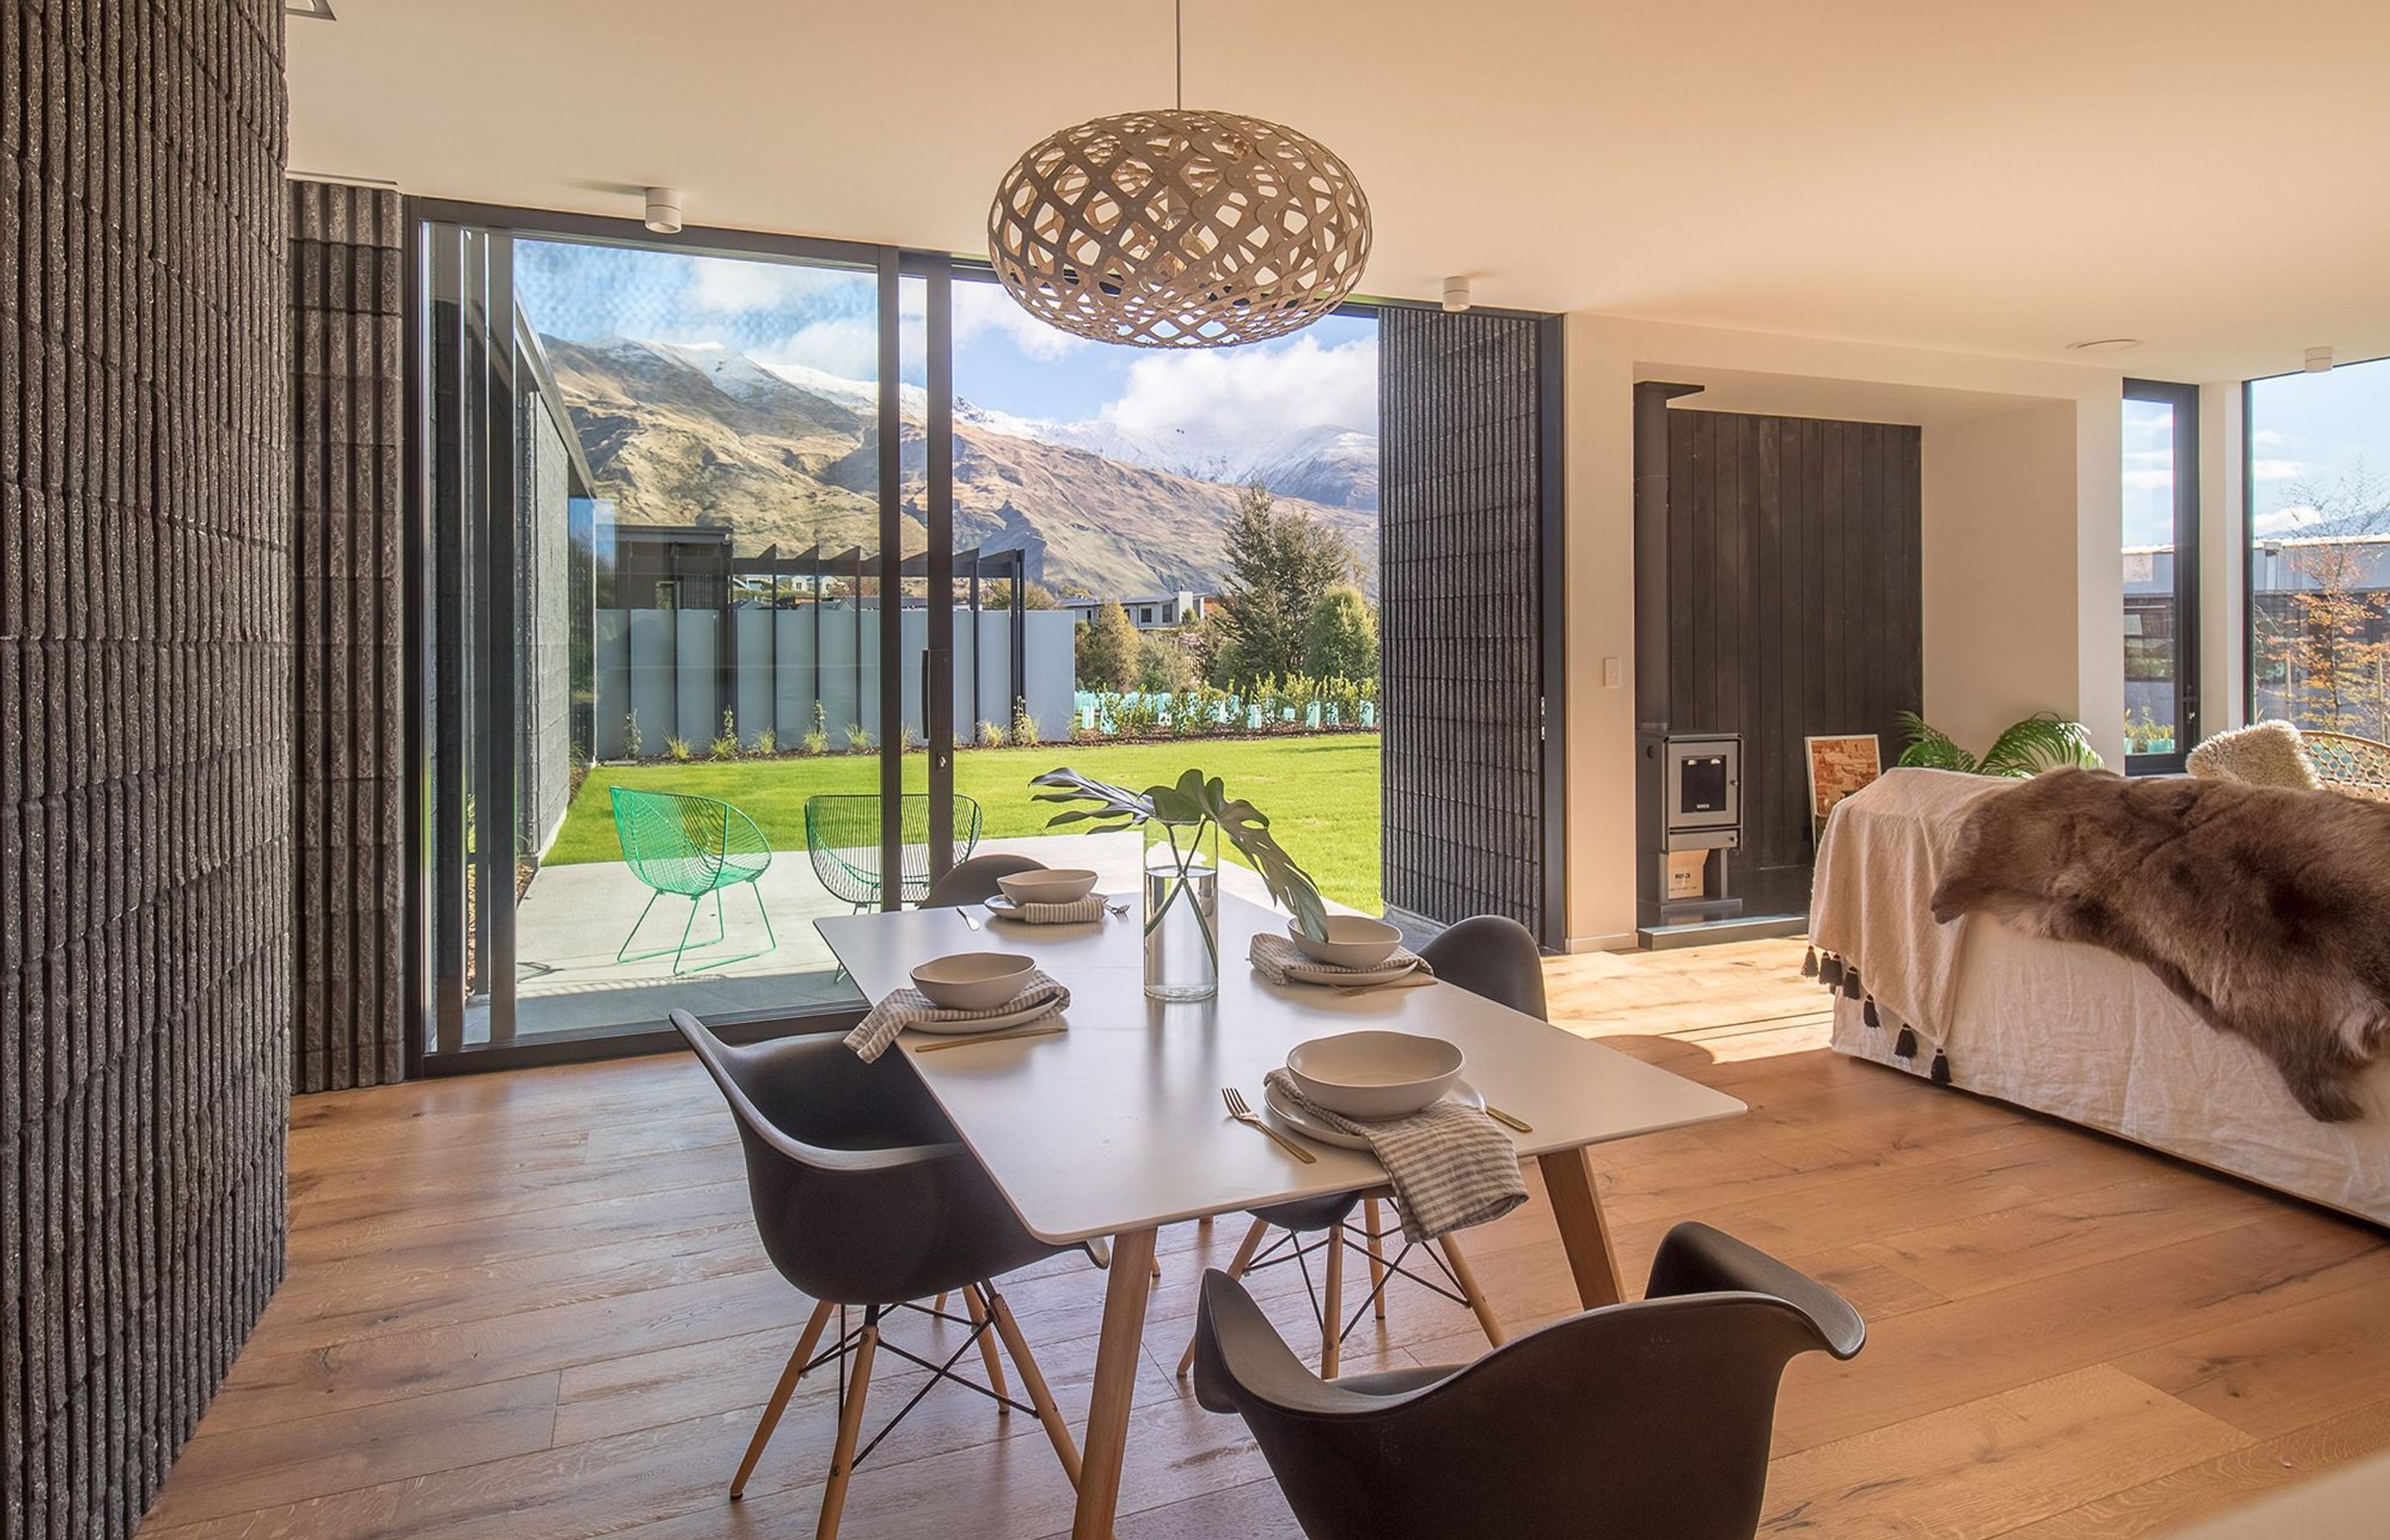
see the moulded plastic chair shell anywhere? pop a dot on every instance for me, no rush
(973, 881)
(1641, 1421)
(862, 1193)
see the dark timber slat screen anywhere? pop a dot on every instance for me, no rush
(347, 297)
(1460, 533)
(145, 736)
(1794, 605)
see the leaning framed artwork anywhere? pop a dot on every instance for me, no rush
(1839, 766)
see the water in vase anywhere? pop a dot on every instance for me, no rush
(1182, 927)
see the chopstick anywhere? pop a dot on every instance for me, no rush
(989, 1037)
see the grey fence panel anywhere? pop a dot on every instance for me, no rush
(752, 673)
(611, 643)
(698, 666)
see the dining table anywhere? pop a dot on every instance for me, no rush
(1116, 1126)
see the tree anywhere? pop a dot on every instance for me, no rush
(1279, 565)
(1108, 651)
(996, 593)
(1341, 642)
(1164, 663)
(2328, 640)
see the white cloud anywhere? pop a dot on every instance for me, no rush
(2161, 480)
(2270, 437)
(983, 308)
(847, 347)
(2277, 469)
(2284, 520)
(729, 286)
(1249, 394)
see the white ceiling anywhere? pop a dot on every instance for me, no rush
(2001, 177)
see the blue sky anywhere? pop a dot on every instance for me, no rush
(2316, 433)
(1006, 359)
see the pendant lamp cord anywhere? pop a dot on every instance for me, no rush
(1178, 33)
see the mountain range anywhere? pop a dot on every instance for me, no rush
(681, 433)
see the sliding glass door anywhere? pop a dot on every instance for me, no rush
(2161, 551)
(688, 633)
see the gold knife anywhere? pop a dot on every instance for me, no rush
(989, 1037)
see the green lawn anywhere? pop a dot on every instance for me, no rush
(1321, 793)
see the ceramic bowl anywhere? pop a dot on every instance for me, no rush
(1061, 885)
(1353, 941)
(973, 981)
(1374, 1074)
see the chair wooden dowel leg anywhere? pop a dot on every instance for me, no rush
(850, 1430)
(940, 1305)
(1032, 1379)
(986, 1345)
(1333, 1328)
(1463, 1275)
(806, 1341)
(1156, 1269)
(1244, 1259)
(1370, 1211)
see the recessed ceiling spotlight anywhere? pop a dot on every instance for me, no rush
(2105, 344)
(2319, 361)
(320, 10)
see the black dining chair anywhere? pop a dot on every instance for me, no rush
(1485, 954)
(865, 1199)
(1641, 1421)
(973, 881)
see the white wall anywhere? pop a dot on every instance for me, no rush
(2023, 519)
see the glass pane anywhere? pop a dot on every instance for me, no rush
(2320, 556)
(692, 647)
(1116, 480)
(2153, 605)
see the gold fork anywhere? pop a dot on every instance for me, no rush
(1243, 1112)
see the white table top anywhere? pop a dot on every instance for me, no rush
(1118, 1124)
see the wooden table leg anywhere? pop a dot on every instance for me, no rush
(1577, 1206)
(1117, 1356)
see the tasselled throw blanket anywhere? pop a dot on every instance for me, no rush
(1871, 915)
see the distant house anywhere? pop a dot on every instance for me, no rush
(1147, 611)
(671, 566)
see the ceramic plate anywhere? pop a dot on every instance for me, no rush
(1298, 974)
(1310, 1127)
(1004, 908)
(992, 1024)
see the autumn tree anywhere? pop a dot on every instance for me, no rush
(2328, 640)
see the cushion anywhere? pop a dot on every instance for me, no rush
(2265, 753)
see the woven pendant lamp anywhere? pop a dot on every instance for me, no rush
(1180, 229)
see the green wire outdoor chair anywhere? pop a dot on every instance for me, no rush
(690, 846)
(842, 836)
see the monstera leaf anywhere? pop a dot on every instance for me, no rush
(2027, 748)
(1190, 803)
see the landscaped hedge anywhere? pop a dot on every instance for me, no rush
(1297, 704)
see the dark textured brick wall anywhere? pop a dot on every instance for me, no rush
(145, 746)
(347, 295)
(1460, 531)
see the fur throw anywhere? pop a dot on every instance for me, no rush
(2266, 910)
(2265, 753)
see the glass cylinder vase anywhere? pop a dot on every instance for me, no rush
(1182, 910)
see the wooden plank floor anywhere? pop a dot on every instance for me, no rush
(534, 1305)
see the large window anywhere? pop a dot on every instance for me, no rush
(2161, 546)
(2319, 549)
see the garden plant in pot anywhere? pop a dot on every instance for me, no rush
(1180, 886)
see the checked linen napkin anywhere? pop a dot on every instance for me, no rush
(1452, 1166)
(1076, 913)
(1280, 961)
(910, 1007)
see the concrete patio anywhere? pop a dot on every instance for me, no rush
(572, 920)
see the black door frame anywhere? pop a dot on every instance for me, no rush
(439, 335)
(2184, 400)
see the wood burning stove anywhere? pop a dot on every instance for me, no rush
(1690, 801)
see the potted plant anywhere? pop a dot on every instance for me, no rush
(1180, 885)
(2040, 742)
